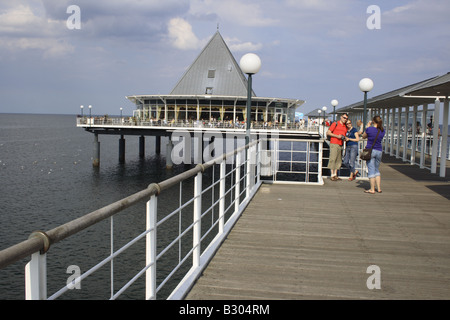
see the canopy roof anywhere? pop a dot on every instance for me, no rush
(215, 71)
(423, 92)
(215, 99)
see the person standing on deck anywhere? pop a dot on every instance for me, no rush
(337, 132)
(374, 134)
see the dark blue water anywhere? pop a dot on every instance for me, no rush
(47, 179)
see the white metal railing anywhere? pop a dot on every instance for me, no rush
(130, 122)
(297, 161)
(222, 189)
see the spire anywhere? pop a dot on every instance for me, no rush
(214, 71)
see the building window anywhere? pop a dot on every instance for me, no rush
(209, 90)
(211, 73)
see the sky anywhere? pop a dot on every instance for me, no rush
(54, 58)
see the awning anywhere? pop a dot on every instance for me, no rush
(423, 92)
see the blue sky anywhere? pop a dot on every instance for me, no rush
(312, 50)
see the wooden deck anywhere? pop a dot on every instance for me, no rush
(316, 242)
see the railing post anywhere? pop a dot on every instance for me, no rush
(222, 196)
(150, 274)
(197, 219)
(237, 188)
(248, 173)
(258, 161)
(36, 277)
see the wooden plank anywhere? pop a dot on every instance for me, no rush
(316, 242)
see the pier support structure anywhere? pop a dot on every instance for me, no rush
(96, 154)
(158, 144)
(169, 162)
(141, 147)
(122, 149)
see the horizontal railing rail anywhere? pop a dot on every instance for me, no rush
(204, 124)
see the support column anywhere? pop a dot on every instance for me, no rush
(435, 141)
(423, 126)
(399, 126)
(141, 147)
(158, 144)
(383, 118)
(414, 136)
(444, 142)
(122, 149)
(391, 149)
(169, 162)
(96, 155)
(405, 135)
(387, 148)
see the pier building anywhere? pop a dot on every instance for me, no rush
(211, 95)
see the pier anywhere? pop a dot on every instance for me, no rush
(319, 242)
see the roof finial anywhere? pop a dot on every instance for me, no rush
(217, 26)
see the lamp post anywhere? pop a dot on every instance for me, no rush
(365, 85)
(334, 103)
(82, 107)
(324, 108)
(319, 112)
(250, 64)
(121, 120)
(90, 119)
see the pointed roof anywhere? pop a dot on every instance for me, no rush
(215, 72)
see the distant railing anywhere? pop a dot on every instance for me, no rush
(204, 124)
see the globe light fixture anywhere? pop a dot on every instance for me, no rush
(334, 103)
(250, 63)
(365, 85)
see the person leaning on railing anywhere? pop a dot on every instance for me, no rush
(336, 132)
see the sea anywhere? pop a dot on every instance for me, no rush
(47, 179)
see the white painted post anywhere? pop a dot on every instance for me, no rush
(258, 161)
(36, 277)
(197, 220)
(434, 152)
(150, 274)
(248, 180)
(391, 150)
(405, 135)
(388, 132)
(222, 196)
(414, 136)
(237, 188)
(319, 178)
(424, 135)
(444, 142)
(399, 129)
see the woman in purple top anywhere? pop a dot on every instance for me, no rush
(373, 165)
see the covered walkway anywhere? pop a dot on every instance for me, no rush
(407, 112)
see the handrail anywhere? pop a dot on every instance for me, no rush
(41, 241)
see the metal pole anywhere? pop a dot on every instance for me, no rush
(365, 111)
(249, 105)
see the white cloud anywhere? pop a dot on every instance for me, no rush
(182, 36)
(22, 29)
(237, 45)
(234, 12)
(418, 14)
